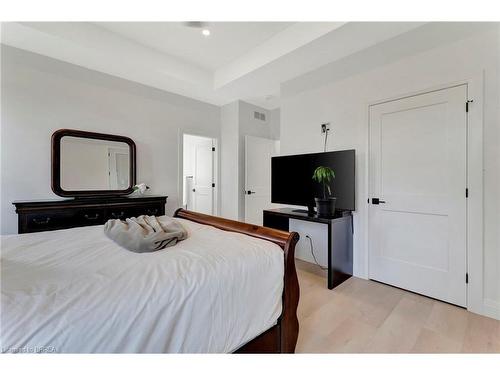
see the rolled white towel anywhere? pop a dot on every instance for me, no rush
(145, 234)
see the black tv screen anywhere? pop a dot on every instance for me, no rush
(292, 183)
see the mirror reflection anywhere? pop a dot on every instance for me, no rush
(94, 164)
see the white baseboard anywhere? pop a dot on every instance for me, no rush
(491, 308)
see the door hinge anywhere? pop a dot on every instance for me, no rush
(467, 278)
(467, 105)
(213, 184)
(213, 148)
(466, 193)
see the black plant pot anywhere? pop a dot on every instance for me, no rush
(325, 207)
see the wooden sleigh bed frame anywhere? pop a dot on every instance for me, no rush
(282, 337)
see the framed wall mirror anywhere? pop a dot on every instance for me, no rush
(92, 164)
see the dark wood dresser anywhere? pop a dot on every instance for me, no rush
(38, 216)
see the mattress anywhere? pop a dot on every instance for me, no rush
(76, 291)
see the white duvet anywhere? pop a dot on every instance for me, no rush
(77, 291)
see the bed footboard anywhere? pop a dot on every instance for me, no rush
(282, 337)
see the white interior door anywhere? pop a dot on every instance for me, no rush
(203, 197)
(189, 192)
(418, 171)
(118, 162)
(258, 153)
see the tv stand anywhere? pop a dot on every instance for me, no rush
(329, 237)
(301, 211)
(310, 211)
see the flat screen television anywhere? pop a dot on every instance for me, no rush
(292, 183)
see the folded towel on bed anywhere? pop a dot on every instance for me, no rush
(145, 234)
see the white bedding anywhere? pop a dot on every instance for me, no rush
(75, 290)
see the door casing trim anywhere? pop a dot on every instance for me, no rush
(216, 167)
(474, 167)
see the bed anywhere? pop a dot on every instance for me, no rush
(230, 287)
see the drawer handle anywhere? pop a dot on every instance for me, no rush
(152, 211)
(41, 222)
(95, 217)
(119, 215)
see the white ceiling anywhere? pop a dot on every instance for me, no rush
(227, 40)
(248, 61)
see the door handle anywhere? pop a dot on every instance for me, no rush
(250, 192)
(88, 217)
(377, 201)
(118, 215)
(41, 222)
(152, 211)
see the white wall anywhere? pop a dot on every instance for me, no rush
(41, 95)
(274, 123)
(229, 162)
(344, 103)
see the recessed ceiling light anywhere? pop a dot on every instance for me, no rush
(205, 32)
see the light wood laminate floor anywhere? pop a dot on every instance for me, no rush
(362, 316)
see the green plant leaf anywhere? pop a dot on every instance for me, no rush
(324, 176)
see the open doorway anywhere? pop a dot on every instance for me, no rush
(198, 175)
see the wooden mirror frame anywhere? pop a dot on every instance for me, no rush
(56, 163)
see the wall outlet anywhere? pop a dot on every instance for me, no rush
(325, 127)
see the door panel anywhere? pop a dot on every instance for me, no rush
(411, 249)
(418, 169)
(203, 177)
(258, 153)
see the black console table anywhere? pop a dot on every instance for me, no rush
(339, 229)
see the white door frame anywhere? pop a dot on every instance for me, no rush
(216, 166)
(112, 152)
(276, 146)
(474, 242)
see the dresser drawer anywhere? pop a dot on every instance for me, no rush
(134, 211)
(121, 213)
(89, 216)
(39, 222)
(151, 210)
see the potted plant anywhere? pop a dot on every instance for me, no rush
(325, 206)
